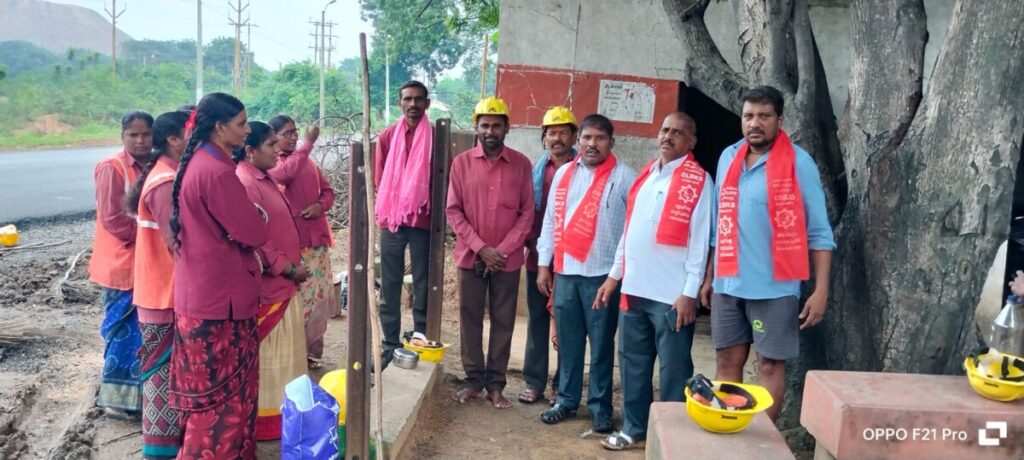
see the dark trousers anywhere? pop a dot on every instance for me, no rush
(645, 335)
(498, 292)
(578, 321)
(392, 270)
(538, 333)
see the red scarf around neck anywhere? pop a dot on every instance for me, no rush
(785, 211)
(684, 190)
(578, 235)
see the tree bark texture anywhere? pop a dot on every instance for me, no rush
(919, 180)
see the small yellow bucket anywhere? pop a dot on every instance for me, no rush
(431, 354)
(9, 235)
(718, 420)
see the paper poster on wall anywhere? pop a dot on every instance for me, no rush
(626, 101)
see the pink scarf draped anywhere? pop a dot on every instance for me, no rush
(405, 183)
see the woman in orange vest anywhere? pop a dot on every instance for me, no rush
(280, 322)
(150, 200)
(112, 265)
(216, 230)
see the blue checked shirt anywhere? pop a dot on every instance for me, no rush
(610, 219)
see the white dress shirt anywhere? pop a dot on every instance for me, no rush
(656, 271)
(610, 219)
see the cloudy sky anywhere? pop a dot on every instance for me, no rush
(280, 33)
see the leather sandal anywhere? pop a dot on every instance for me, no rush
(557, 414)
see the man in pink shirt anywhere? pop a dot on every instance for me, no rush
(490, 208)
(396, 154)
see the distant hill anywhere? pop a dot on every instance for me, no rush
(56, 27)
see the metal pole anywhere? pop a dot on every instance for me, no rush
(323, 19)
(483, 70)
(199, 50)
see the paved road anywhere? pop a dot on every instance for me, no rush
(46, 183)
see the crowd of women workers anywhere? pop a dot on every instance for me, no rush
(211, 247)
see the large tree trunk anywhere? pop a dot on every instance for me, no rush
(922, 187)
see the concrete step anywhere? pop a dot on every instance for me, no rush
(672, 434)
(855, 415)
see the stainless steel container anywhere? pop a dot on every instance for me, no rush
(405, 358)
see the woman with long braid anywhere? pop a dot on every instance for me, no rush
(150, 200)
(215, 356)
(280, 324)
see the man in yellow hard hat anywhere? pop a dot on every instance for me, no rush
(490, 208)
(558, 135)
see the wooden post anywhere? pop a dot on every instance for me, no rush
(438, 193)
(357, 385)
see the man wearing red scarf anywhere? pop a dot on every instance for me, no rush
(581, 230)
(660, 260)
(770, 214)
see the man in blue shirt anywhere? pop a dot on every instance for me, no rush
(757, 291)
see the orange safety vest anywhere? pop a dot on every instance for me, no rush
(112, 261)
(154, 264)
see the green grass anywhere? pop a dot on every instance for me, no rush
(91, 134)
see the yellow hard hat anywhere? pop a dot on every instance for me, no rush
(718, 420)
(9, 235)
(490, 105)
(994, 375)
(558, 115)
(334, 383)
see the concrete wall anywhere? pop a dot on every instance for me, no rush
(548, 47)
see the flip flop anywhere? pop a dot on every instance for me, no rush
(529, 396)
(618, 441)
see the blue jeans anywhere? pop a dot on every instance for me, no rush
(645, 335)
(577, 321)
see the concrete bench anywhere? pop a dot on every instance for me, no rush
(672, 434)
(855, 415)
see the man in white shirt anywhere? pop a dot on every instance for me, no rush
(582, 228)
(660, 261)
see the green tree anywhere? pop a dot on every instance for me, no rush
(219, 55)
(415, 34)
(21, 56)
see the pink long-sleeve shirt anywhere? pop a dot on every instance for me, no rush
(217, 275)
(282, 250)
(490, 203)
(304, 184)
(383, 154)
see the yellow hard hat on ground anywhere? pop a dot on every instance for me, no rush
(9, 235)
(994, 375)
(558, 115)
(490, 106)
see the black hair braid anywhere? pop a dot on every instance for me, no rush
(130, 204)
(186, 157)
(212, 109)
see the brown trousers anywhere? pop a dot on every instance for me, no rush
(499, 291)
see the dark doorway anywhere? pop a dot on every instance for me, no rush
(717, 127)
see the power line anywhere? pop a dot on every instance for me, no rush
(237, 75)
(114, 14)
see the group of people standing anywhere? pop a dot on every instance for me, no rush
(211, 248)
(609, 250)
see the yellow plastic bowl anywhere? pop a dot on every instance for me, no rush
(9, 235)
(728, 421)
(433, 355)
(993, 388)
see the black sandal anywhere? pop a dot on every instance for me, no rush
(557, 414)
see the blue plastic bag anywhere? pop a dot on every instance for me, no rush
(309, 422)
